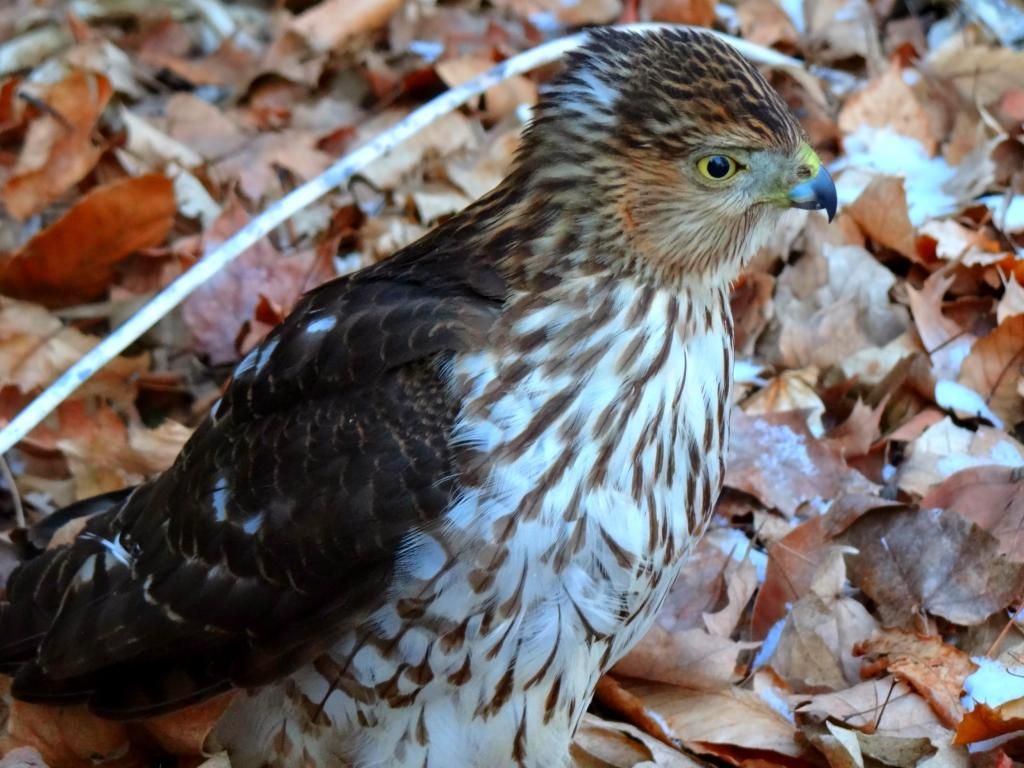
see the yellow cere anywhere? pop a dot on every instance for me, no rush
(810, 157)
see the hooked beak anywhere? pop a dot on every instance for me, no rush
(816, 194)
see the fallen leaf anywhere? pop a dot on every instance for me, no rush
(985, 722)
(36, 347)
(944, 340)
(1012, 302)
(990, 497)
(816, 646)
(184, 732)
(792, 390)
(933, 668)
(58, 150)
(765, 23)
(731, 717)
(884, 706)
(328, 25)
(888, 102)
(571, 14)
(981, 74)
(692, 658)
(776, 459)
(952, 241)
(698, 13)
(71, 737)
(913, 560)
(881, 212)
(834, 304)
(944, 449)
(994, 366)
(216, 311)
(606, 744)
(73, 259)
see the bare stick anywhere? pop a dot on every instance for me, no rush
(152, 311)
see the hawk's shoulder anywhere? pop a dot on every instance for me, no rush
(280, 517)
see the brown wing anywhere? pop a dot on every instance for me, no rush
(279, 519)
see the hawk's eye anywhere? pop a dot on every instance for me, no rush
(717, 167)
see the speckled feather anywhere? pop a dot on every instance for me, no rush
(450, 490)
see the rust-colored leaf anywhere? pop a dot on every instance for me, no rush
(73, 259)
(59, 149)
(994, 367)
(934, 669)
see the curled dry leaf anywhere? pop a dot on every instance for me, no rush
(73, 259)
(71, 737)
(58, 150)
(881, 212)
(994, 366)
(792, 390)
(834, 304)
(731, 717)
(776, 459)
(985, 722)
(933, 668)
(690, 658)
(913, 560)
(884, 706)
(36, 347)
(991, 497)
(765, 23)
(944, 340)
(612, 695)
(327, 25)
(815, 648)
(888, 102)
(1012, 302)
(605, 744)
(944, 449)
(216, 311)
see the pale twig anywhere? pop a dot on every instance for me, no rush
(339, 173)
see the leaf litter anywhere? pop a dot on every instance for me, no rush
(858, 599)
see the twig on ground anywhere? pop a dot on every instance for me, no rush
(335, 176)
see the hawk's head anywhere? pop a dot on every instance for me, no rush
(678, 144)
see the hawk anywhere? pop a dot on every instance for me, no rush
(450, 490)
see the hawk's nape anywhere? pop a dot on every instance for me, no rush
(450, 490)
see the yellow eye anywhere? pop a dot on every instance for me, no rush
(717, 167)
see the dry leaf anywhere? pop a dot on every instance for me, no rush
(881, 212)
(776, 459)
(730, 717)
(73, 259)
(994, 366)
(944, 449)
(992, 498)
(888, 102)
(884, 706)
(606, 744)
(931, 667)
(816, 645)
(792, 390)
(765, 23)
(981, 74)
(985, 722)
(691, 658)
(913, 560)
(58, 151)
(698, 13)
(1012, 302)
(945, 341)
(329, 24)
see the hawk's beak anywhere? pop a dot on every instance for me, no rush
(816, 194)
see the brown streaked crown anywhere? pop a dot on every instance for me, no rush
(673, 87)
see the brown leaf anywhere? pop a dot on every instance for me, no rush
(994, 366)
(985, 722)
(329, 24)
(883, 706)
(58, 150)
(912, 560)
(815, 648)
(184, 732)
(944, 449)
(944, 340)
(691, 658)
(980, 73)
(611, 694)
(73, 259)
(216, 312)
(765, 23)
(775, 458)
(881, 212)
(990, 497)
(36, 347)
(699, 13)
(888, 102)
(71, 737)
(931, 667)
(730, 717)
(606, 744)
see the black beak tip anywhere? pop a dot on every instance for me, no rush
(818, 194)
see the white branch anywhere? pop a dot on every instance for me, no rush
(339, 173)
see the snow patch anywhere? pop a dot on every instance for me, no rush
(770, 644)
(964, 401)
(992, 684)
